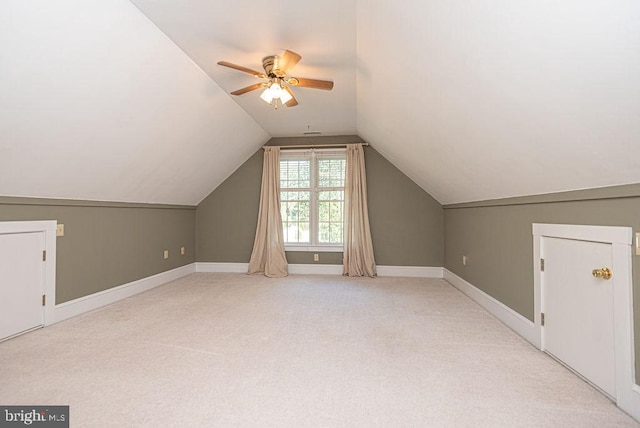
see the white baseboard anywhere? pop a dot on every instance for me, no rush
(212, 267)
(315, 269)
(631, 402)
(411, 271)
(97, 300)
(323, 269)
(295, 269)
(516, 322)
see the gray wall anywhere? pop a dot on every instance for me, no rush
(406, 222)
(109, 244)
(496, 237)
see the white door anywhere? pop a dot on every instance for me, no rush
(578, 309)
(21, 282)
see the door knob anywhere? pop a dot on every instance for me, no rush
(604, 273)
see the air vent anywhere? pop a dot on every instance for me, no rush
(313, 133)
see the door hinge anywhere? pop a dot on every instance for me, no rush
(542, 265)
(542, 319)
(44, 255)
(44, 299)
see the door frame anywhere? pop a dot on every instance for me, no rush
(620, 238)
(48, 227)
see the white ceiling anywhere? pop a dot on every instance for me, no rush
(245, 31)
(491, 99)
(473, 100)
(97, 104)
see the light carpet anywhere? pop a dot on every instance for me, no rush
(233, 350)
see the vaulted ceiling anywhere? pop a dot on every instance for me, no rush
(124, 101)
(245, 31)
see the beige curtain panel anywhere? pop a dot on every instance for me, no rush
(268, 255)
(358, 257)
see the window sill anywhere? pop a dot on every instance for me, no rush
(315, 249)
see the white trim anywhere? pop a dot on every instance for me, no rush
(325, 269)
(538, 293)
(315, 248)
(411, 271)
(27, 226)
(222, 267)
(50, 273)
(512, 319)
(607, 234)
(4, 339)
(48, 227)
(627, 392)
(294, 269)
(317, 269)
(383, 271)
(97, 300)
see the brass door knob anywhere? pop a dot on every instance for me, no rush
(604, 273)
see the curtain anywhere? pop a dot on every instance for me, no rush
(358, 257)
(268, 255)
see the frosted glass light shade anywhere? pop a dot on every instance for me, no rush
(275, 91)
(285, 96)
(267, 95)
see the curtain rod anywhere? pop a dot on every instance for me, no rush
(313, 146)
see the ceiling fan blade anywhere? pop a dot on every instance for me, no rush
(287, 61)
(292, 102)
(248, 89)
(311, 83)
(243, 69)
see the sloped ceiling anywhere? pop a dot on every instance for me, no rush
(96, 103)
(489, 99)
(473, 100)
(245, 31)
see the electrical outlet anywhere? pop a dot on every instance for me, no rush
(182, 251)
(60, 230)
(316, 257)
(464, 260)
(166, 254)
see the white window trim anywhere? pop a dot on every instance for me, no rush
(313, 223)
(314, 248)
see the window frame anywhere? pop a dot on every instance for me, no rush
(313, 155)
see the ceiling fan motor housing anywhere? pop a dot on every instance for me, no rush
(271, 66)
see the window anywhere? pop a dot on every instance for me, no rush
(312, 198)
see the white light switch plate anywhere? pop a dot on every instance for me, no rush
(60, 230)
(638, 244)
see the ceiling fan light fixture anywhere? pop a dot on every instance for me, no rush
(275, 91)
(267, 96)
(285, 96)
(276, 70)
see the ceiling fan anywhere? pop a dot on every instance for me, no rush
(276, 82)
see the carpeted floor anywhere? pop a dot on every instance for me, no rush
(232, 350)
